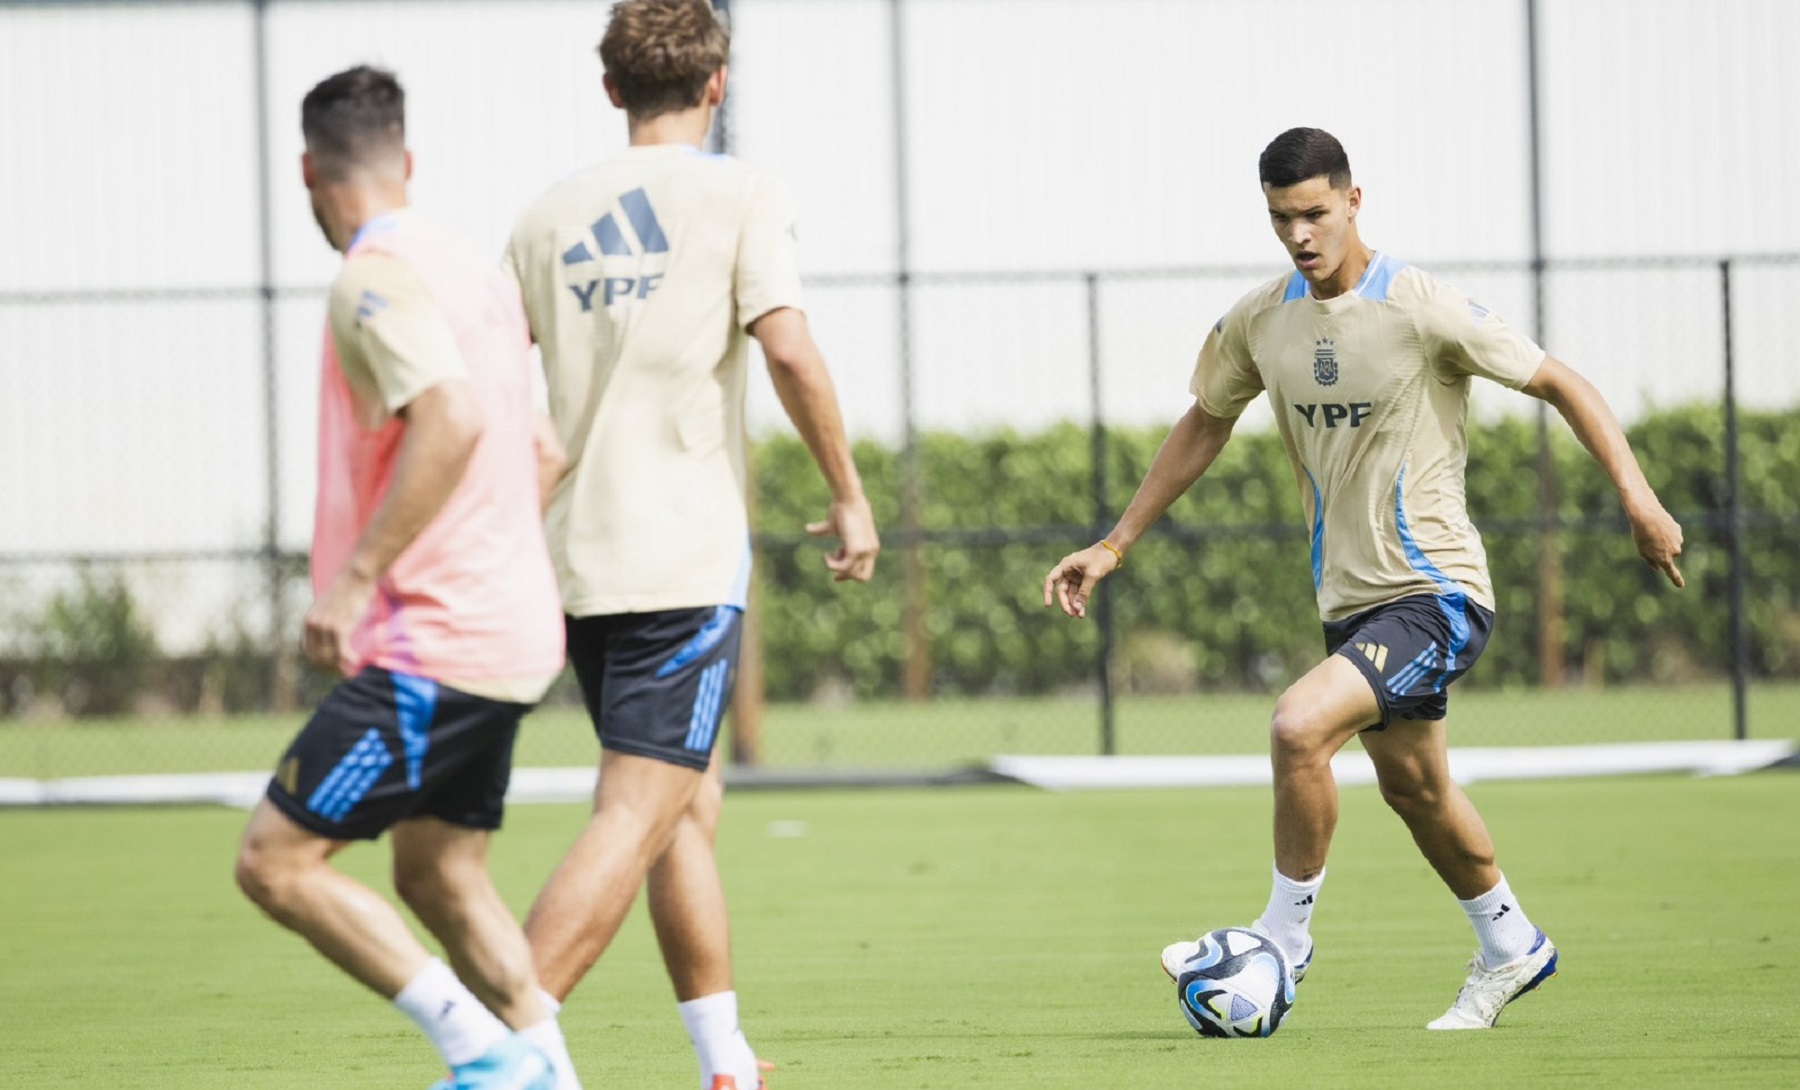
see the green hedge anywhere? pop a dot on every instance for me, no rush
(1235, 610)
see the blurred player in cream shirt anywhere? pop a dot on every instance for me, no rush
(644, 277)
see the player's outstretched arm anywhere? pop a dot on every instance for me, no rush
(1657, 534)
(1192, 444)
(804, 385)
(443, 425)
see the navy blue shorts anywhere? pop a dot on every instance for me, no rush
(1412, 649)
(383, 747)
(657, 684)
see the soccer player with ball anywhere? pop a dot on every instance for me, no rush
(1367, 361)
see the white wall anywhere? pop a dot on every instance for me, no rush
(1043, 136)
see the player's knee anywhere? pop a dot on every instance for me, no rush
(263, 877)
(438, 884)
(419, 885)
(1297, 734)
(643, 828)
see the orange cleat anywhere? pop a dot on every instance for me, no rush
(729, 1082)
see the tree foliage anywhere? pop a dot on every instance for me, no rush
(1220, 595)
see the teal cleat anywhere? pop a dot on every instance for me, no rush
(510, 1065)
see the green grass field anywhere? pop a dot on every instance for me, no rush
(943, 733)
(978, 937)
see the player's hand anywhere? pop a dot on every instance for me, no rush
(333, 618)
(1658, 539)
(853, 524)
(1073, 579)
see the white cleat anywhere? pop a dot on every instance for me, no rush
(1487, 991)
(1298, 968)
(1176, 955)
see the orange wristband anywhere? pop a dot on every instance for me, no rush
(1113, 549)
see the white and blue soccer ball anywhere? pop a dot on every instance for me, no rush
(1237, 985)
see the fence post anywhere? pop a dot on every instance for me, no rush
(1734, 524)
(1550, 567)
(1103, 598)
(915, 606)
(283, 670)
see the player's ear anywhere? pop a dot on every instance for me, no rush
(1355, 199)
(715, 87)
(309, 171)
(408, 154)
(612, 92)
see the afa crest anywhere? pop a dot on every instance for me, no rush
(1325, 362)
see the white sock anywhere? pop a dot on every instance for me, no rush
(458, 1025)
(719, 1045)
(1289, 915)
(1500, 925)
(547, 1037)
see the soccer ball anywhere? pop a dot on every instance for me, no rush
(1238, 985)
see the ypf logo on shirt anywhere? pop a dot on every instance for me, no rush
(636, 234)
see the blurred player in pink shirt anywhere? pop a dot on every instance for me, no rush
(435, 598)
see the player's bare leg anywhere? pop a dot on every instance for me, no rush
(687, 900)
(286, 870)
(638, 803)
(687, 905)
(440, 871)
(1313, 720)
(1413, 767)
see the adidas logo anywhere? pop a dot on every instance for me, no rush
(449, 1005)
(368, 306)
(1375, 653)
(1504, 909)
(1303, 902)
(612, 241)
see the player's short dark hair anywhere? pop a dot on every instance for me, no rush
(355, 118)
(660, 53)
(1299, 154)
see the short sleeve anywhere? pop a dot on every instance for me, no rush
(513, 264)
(1225, 378)
(392, 341)
(768, 272)
(1466, 338)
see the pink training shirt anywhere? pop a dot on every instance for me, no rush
(474, 597)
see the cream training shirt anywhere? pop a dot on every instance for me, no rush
(640, 276)
(1371, 393)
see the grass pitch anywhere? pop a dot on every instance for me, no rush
(990, 937)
